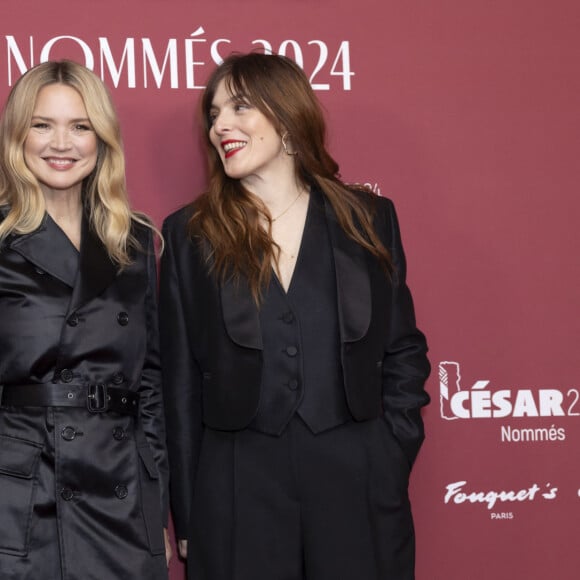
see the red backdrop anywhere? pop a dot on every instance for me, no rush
(466, 114)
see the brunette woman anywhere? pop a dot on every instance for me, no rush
(294, 371)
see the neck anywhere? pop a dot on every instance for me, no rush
(276, 185)
(277, 194)
(64, 207)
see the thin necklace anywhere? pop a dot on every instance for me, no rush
(288, 208)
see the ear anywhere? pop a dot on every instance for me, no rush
(287, 144)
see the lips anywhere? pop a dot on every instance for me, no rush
(60, 163)
(231, 147)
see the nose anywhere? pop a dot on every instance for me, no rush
(221, 123)
(60, 139)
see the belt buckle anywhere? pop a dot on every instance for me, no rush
(97, 398)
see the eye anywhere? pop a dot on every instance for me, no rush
(241, 106)
(40, 125)
(82, 128)
(212, 116)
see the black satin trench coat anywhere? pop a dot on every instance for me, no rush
(82, 496)
(212, 345)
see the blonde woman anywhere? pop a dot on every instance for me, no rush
(82, 456)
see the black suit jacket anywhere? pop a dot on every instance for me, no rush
(212, 345)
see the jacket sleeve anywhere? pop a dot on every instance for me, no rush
(151, 409)
(181, 375)
(405, 363)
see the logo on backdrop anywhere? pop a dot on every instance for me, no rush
(175, 63)
(484, 401)
(497, 502)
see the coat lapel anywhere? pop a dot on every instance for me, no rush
(50, 250)
(353, 285)
(96, 270)
(240, 313)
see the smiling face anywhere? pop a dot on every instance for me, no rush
(247, 142)
(61, 147)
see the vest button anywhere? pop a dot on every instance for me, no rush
(291, 351)
(288, 317)
(73, 319)
(67, 494)
(66, 375)
(292, 384)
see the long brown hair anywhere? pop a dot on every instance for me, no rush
(228, 216)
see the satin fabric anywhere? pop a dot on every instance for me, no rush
(83, 496)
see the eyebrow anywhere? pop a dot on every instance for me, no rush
(79, 120)
(240, 97)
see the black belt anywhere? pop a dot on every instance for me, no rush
(99, 398)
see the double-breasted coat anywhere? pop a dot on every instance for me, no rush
(212, 345)
(82, 494)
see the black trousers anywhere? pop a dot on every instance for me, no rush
(331, 506)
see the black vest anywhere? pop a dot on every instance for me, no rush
(301, 342)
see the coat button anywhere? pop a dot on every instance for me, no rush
(121, 491)
(291, 351)
(123, 318)
(66, 375)
(67, 494)
(118, 378)
(68, 433)
(73, 319)
(119, 433)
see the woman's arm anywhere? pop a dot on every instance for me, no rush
(405, 363)
(181, 375)
(151, 410)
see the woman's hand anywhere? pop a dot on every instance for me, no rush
(182, 547)
(168, 548)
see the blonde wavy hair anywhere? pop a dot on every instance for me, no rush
(104, 190)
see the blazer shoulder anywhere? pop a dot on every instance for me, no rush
(179, 219)
(179, 239)
(384, 203)
(386, 215)
(384, 218)
(369, 199)
(178, 234)
(381, 209)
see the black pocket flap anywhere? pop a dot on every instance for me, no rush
(18, 456)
